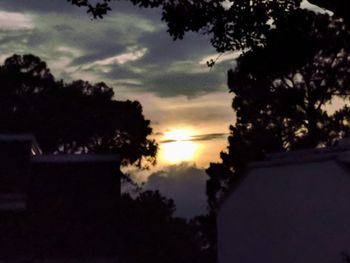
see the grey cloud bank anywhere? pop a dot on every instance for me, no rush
(167, 69)
(185, 184)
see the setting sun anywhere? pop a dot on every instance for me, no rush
(178, 147)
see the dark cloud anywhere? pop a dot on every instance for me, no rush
(168, 84)
(162, 47)
(168, 68)
(40, 6)
(63, 6)
(7, 37)
(39, 37)
(202, 137)
(97, 39)
(100, 51)
(118, 72)
(183, 183)
(209, 136)
(65, 29)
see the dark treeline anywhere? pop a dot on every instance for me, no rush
(282, 87)
(76, 117)
(281, 92)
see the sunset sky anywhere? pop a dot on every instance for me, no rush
(189, 105)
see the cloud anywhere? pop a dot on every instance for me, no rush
(42, 6)
(209, 136)
(173, 87)
(183, 183)
(129, 49)
(169, 84)
(126, 82)
(119, 59)
(163, 50)
(15, 21)
(219, 58)
(126, 57)
(201, 137)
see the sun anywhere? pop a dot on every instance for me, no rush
(177, 146)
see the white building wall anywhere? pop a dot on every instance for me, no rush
(294, 213)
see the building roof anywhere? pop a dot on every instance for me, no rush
(339, 153)
(16, 137)
(75, 158)
(22, 138)
(12, 202)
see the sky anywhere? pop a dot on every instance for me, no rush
(187, 103)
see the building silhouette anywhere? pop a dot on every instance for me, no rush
(57, 208)
(292, 207)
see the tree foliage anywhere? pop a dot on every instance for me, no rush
(98, 9)
(76, 117)
(341, 8)
(281, 93)
(149, 232)
(232, 25)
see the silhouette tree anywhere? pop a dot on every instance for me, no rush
(237, 25)
(341, 8)
(98, 9)
(77, 117)
(150, 233)
(281, 92)
(204, 229)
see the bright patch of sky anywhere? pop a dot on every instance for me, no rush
(219, 58)
(305, 4)
(121, 58)
(15, 21)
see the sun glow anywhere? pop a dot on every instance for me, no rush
(178, 147)
(178, 135)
